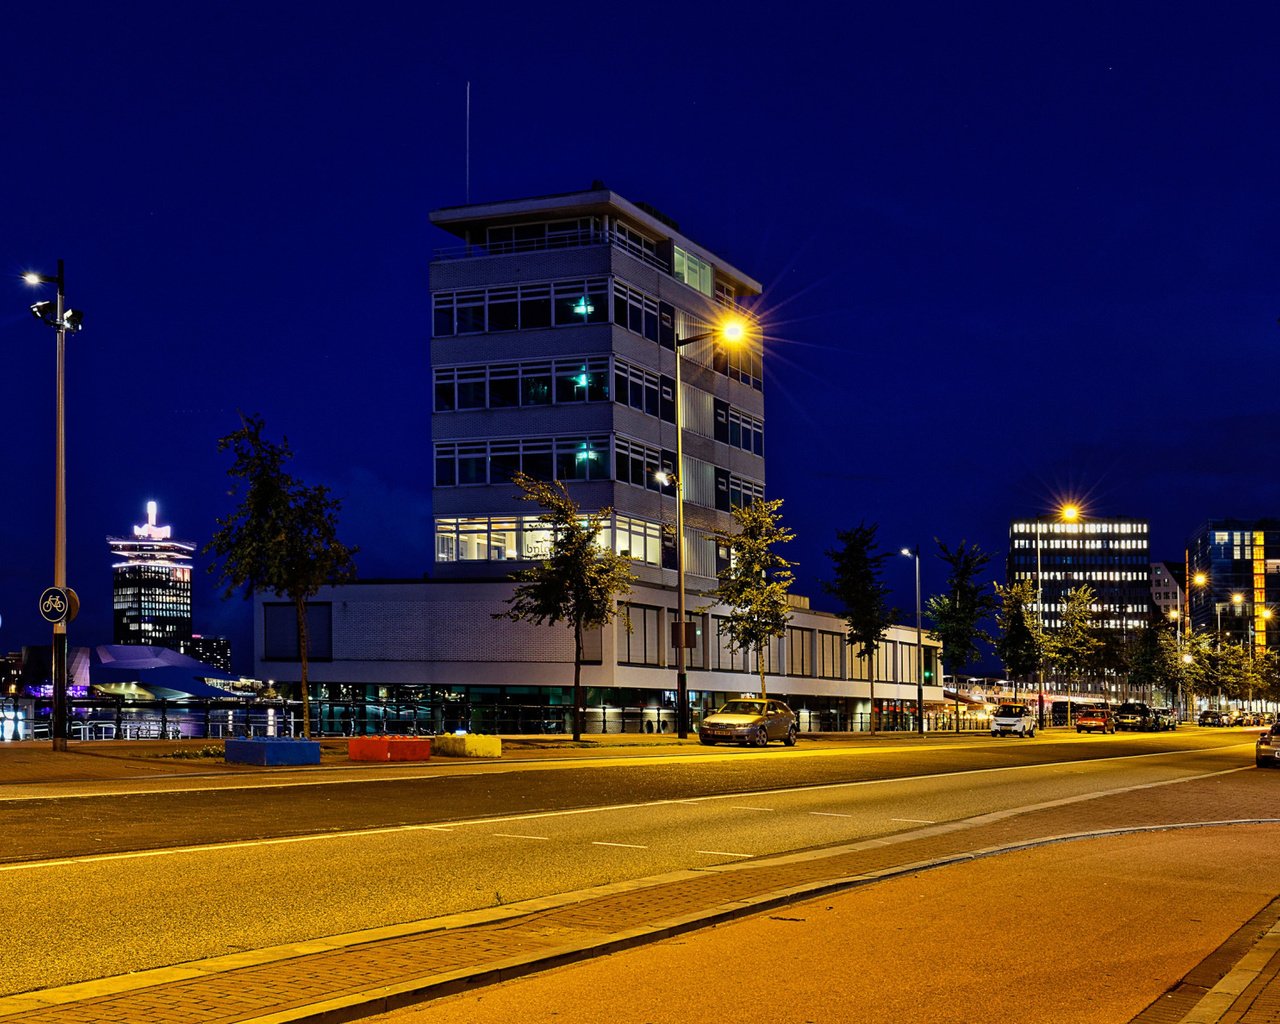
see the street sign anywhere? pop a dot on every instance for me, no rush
(55, 604)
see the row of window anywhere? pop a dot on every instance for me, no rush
(520, 308)
(471, 463)
(1088, 526)
(578, 380)
(527, 538)
(522, 385)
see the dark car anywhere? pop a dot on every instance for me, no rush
(1134, 716)
(1267, 751)
(1210, 717)
(1095, 718)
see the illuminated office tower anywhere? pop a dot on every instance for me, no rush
(151, 583)
(1239, 563)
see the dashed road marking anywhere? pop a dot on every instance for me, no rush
(723, 853)
(830, 814)
(628, 846)
(513, 835)
(916, 821)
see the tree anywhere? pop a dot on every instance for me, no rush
(1019, 640)
(862, 594)
(754, 585)
(283, 537)
(957, 614)
(580, 580)
(1074, 645)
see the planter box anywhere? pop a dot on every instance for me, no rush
(468, 746)
(389, 748)
(272, 750)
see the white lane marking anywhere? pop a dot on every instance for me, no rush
(916, 821)
(723, 853)
(742, 807)
(829, 814)
(514, 835)
(627, 846)
(454, 825)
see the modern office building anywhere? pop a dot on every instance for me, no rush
(1111, 555)
(1240, 563)
(1167, 588)
(557, 325)
(212, 650)
(151, 583)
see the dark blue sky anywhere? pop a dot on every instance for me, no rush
(1010, 253)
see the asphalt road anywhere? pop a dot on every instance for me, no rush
(150, 880)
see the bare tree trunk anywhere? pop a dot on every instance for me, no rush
(764, 691)
(300, 606)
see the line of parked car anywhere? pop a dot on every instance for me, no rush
(1231, 717)
(1131, 716)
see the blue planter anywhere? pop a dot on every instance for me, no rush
(272, 750)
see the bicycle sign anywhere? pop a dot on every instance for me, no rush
(55, 604)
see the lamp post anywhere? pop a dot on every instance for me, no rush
(61, 320)
(732, 332)
(910, 553)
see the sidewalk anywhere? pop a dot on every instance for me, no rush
(1229, 971)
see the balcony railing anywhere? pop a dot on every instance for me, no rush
(568, 240)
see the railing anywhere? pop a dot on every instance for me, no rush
(572, 240)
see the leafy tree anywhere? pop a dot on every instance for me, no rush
(1073, 646)
(1150, 668)
(862, 594)
(283, 537)
(1019, 640)
(958, 614)
(580, 580)
(754, 585)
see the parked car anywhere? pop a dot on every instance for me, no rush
(1267, 750)
(1012, 719)
(1166, 719)
(1210, 717)
(750, 720)
(1134, 716)
(1096, 718)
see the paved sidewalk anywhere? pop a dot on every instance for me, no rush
(347, 977)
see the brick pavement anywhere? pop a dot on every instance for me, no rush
(344, 978)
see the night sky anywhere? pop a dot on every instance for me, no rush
(1009, 256)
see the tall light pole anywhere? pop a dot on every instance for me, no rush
(910, 553)
(731, 332)
(62, 320)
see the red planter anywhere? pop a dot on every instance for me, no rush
(389, 748)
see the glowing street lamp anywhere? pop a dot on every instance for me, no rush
(683, 636)
(1068, 513)
(56, 315)
(915, 553)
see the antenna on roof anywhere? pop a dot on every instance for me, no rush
(468, 144)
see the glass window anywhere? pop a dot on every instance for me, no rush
(535, 384)
(472, 464)
(536, 460)
(504, 460)
(471, 387)
(504, 309)
(442, 321)
(445, 397)
(446, 465)
(470, 312)
(504, 386)
(571, 382)
(535, 307)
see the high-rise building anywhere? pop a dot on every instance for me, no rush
(212, 650)
(1240, 563)
(1111, 555)
(151, 583)
(1166, 588)
(556, 327)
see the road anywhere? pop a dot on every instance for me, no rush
(203, 867)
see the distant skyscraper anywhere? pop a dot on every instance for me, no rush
(1240, 562)
(212, 650)
(1166, 588)
(152, 585)
(1111, 555)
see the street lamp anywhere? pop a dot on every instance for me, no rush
(730, 332)
(56, 315)
(919, 646)
(1067, 513)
